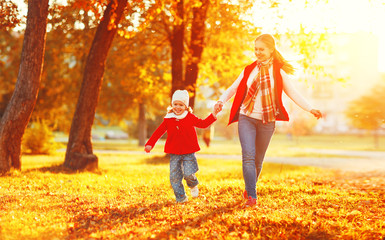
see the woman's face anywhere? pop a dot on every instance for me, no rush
(178, 107)
(262, 52)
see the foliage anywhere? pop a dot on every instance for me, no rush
(10, 48)
(9, 15)
(130, 78)
(127, 200)
(133, 78)
(39, 139)
(66, 48)
(69, 36)
(301, 124)
(368, 111)
(224, 55)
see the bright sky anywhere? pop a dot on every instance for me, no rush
(340, 16)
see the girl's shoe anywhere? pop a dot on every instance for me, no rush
(251, 202)
(185, 199)
(245, 196)
(194, 191)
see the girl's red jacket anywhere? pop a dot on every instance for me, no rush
(181, 134)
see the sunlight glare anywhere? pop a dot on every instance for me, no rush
(335, 16)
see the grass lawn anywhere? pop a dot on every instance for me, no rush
(280, 145)
(130, 198)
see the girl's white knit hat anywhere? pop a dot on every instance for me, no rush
(181, 95)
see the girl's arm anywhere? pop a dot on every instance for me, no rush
(203, 123)
(158, 133)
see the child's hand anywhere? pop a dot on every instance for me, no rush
(147, 148)
(217, 108)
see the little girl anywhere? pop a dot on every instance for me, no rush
(181, 143)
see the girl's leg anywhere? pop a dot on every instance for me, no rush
(176, 176)
(247, 134)
(264, 134)
(190, 167)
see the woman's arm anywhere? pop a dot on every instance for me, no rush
(294, 95)
(231, 90)
(228, 93)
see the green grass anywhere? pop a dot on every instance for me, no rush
(280, 145)
(130, 198)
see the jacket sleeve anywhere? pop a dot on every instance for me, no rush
(293, 94)
(203, 123)
(232, 89)
(158, 133)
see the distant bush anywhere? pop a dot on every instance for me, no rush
(302, 124)
(39, 139)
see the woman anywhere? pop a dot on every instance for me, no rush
(258, 104)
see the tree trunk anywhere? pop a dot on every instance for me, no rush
(177, 49)
(196, 48)
(142, 124)
(376, 136)
(23, 100)
(79, 154)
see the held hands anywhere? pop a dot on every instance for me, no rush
(217, 108)
(316, 113)
(147, 148)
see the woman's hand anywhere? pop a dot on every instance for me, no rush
(147, 148)
(316, 113)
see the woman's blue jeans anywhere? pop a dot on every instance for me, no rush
(255, 137)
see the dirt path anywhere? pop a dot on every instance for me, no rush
(358, 161)
(345, 164)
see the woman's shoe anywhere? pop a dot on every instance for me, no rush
(251, 202)
(245, 196)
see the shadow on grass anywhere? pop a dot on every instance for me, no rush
(98, 219)
(60, 168)
(101, 219)
(158, 160)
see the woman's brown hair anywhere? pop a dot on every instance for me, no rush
(270, 43)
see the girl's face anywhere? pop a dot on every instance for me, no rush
(262, 52)
(178, 107)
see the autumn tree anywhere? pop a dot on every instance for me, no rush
(137, 71)
(10, 48)
(135, 86)
(70, 31)
(176, 38)
(22, 102)
(79, 154)
(227, 40)
(9, 15)
(196, 45)
(68, 42)
(368, 112)
(186, 25)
